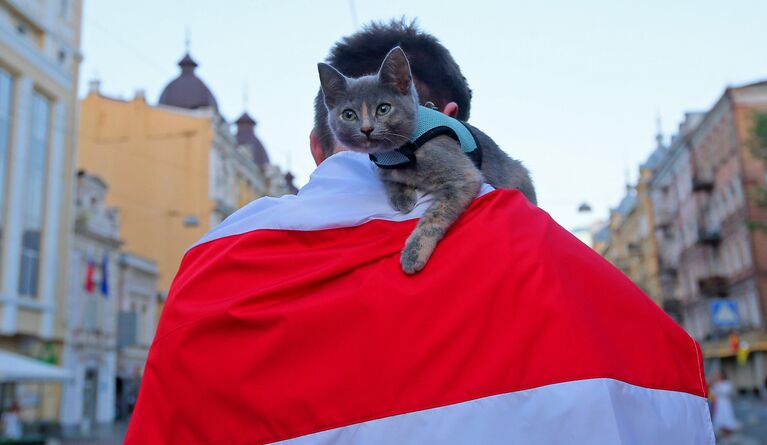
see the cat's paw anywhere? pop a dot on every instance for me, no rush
(410, 261)
(404, 201)
(417, 251)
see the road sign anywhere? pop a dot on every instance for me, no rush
(724, 313)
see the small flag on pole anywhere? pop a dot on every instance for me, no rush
(105, 276)
(90, 284)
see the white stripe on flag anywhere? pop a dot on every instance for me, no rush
(325, 202)
(593, 412)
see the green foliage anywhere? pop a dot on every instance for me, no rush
(758, 195)
(759, 136)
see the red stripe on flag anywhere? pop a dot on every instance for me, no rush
(275, 334)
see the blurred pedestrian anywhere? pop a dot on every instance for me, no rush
(765, 386)
(724, 414)
(12, 423)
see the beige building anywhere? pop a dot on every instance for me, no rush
(691, 234)
(111, 313)
(632, 246)
(138, 298)
(39, 61)
(90, 338)
(723, 257)
(174, 169)
(673, 208)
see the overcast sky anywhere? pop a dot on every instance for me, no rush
(571, 88)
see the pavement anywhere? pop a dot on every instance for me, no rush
(114, 435)
(751, 412)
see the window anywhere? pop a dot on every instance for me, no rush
(34, 191)
(6, 87)
(90, 311)
(126, 328)
(64, 9)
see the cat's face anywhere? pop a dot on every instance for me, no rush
(373, 113)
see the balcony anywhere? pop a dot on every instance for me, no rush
(663, 218)
(709, 237)
(703, 180)
(98, 221)
(673, 307)
(714, 286)
(667, 271)
(622, 264)
(700, 184)
(635, 249)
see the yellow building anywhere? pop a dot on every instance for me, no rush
(632, 246)
(39, 63)
(174, 169)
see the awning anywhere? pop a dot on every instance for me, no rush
(18, 368)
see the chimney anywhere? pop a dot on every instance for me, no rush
(94, 86)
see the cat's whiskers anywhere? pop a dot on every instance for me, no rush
(391, 133)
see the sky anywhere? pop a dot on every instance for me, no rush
(573, 89)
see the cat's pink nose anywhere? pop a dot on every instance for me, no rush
(367, 131)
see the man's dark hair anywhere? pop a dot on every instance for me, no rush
(438, 77)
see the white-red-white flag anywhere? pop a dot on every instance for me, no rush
(292, 322)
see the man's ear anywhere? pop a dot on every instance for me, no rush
(314, 144)
(451, 109)
(332, 82)
(395, 71)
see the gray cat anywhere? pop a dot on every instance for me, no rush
(379, 115)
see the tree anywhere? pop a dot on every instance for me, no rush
(758, 144)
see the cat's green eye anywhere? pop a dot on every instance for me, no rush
(383, 109)
(348, 115)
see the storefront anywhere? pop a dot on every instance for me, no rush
(24, 384)
(743, 357)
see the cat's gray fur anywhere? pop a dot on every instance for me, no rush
(441, 169)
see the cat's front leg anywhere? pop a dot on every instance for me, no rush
(401, 196)
(447, 205)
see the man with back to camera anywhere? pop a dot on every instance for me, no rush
(291, 321)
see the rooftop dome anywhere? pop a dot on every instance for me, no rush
(289, 181)
(187, 90)
(246, 135)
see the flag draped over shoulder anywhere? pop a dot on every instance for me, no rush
(292, 322)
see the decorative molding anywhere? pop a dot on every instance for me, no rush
(36, 57)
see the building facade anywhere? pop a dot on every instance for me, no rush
(175, 169)
(632, 245)
(710, 245)
(672, 203)
(90, 340)
(39, 63)
(728, 260)
(138, 311)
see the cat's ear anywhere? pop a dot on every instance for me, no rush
(333, 84)
(395, 71)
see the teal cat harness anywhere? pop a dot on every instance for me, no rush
(431, 123)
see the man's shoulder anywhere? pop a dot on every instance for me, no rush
(344, 191)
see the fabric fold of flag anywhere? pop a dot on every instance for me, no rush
(292, 322)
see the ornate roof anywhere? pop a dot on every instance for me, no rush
(246, 135)
(187, 90)
(289, 181)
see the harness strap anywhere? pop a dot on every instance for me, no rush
(404, 157)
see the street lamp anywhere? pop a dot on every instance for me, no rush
(187, 220)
